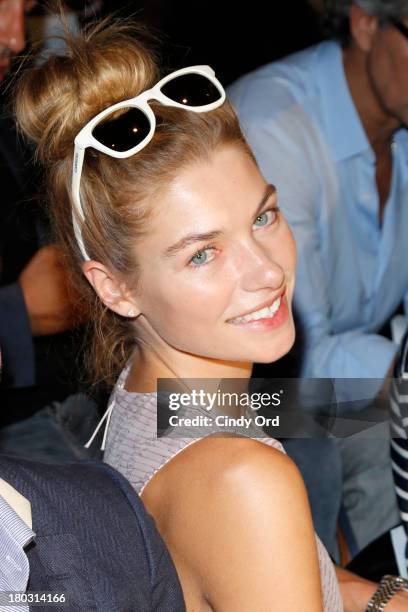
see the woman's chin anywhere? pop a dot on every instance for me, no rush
(278, 349)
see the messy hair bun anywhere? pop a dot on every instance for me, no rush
(104, 65)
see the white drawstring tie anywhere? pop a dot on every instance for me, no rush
(107, 417)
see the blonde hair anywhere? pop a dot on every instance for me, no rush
(104, 65)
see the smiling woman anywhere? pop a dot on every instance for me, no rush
(178, 247)
(231, 257)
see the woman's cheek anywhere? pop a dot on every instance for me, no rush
(290, 249)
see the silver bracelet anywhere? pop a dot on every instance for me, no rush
(388, 587)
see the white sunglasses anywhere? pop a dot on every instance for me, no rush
(195, 89)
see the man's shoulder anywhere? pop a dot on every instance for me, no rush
(89, 511)
(89, 484)
(89, 499)
(277, 86)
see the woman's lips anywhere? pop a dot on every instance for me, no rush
(269, 322)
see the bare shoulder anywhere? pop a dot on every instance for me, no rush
(218, 464)
(239, 461)
(238, 515)
(263, 477)
(206, 472)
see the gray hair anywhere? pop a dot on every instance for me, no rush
(337, 11)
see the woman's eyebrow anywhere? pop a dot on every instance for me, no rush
(269, 191)
(212, 235)
(191, 239)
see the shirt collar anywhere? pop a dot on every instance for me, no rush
(342, 123)
(14, 524)
(401, 139)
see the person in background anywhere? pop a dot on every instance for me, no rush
(327, 125)
(78, 531)
(399, 433)
(39, 313)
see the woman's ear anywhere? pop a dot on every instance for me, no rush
(110, 290)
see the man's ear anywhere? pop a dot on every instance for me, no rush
(363, 27)
(110, 289)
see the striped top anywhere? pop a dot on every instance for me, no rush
(14, 567)
(134, 449)
(399, 437)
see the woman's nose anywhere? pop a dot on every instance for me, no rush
(260, 270)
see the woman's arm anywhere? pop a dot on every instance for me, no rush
(245, 529)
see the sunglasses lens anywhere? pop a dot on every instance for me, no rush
(122, 130)
(191, 90)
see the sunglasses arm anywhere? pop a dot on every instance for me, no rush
(77, 212)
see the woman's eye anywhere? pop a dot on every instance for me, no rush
(266, 218)
(202, 257)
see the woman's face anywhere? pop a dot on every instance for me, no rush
(218, 264)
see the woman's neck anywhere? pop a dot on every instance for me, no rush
(148, 365)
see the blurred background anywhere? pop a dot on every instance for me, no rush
(233, 37)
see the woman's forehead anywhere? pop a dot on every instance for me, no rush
(213, 186)
(200, 205)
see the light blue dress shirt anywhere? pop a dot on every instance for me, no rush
(14, 567)
(299, 118)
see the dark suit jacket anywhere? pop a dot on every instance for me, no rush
(94, 539)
